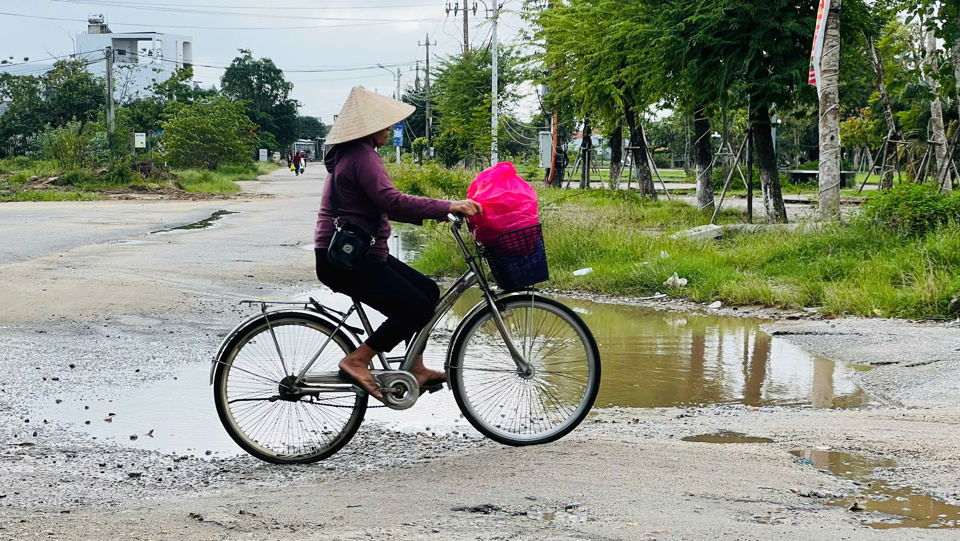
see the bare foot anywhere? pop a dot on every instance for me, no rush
(360, 371)
(425, 376)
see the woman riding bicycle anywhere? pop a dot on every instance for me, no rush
(365, 195)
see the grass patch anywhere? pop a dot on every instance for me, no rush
(198, 180)
(847, 269)
(49, 195)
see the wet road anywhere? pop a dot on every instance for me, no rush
(96, 310)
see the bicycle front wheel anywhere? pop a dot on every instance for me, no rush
(255, 405)
(517, 409)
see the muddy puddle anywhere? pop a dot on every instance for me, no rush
(881, 504)
(205, 223)
(649, 358)
(725, 436)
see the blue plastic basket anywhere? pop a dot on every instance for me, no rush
(517, 259)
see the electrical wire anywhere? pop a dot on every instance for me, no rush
(147, 5)
(192, 27)
(228, 13)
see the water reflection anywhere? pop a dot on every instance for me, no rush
(657, 359)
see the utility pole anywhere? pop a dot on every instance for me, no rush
(111, 113)
(398, 99)
(466, 27)
(429, 119)
(495, 117)
(416, 79)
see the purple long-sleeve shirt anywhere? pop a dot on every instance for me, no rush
(367, 196)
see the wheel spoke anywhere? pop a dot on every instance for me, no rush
(257, 408)
(517, 409)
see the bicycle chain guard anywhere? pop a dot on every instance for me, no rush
(399, 388)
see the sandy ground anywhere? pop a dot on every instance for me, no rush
(93, 303)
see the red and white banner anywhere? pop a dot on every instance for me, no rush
(818, 39)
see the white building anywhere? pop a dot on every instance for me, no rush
(140, 58)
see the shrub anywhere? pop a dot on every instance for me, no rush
(76, 177)
(208, 134)
(911, 210)
(66, 145)
(431, 181)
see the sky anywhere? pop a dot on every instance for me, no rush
(325, 47)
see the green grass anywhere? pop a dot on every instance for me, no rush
(49, 195)
(221, 181)
(82, 184)
(846, 269)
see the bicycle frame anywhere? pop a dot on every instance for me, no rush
(473, 276)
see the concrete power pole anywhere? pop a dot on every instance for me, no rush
(111, 113)
(398, 99)
(429, 119)
(495, 117)
(466, 27)
(829, 177)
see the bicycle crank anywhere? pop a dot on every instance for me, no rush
(399, 388)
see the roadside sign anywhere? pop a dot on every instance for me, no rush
(398, 134)
(263, 154)
(139, 140)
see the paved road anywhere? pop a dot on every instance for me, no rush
(99, 313)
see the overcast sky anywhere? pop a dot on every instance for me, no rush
(297, 34)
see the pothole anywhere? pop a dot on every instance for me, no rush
(883, 504)
(201, 224)
(724, 436)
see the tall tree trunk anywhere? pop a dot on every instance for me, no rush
(829, 117)
(704, 157)
(767, 163)
(586, 143)
(638, 150)
(616, 155)
(891, 151)
(686, 145)
(936, 116)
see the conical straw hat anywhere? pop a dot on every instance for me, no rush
(365, 113)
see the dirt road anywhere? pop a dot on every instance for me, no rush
(101, 313)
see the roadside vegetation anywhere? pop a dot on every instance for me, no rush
(55, 143)
(898, 258)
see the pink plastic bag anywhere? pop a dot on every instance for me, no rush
(509, 203)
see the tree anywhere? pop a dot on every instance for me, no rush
(462, 97)
(208, 134)
(312, 128)
(64, 94)
(600, 72)
(261, 86)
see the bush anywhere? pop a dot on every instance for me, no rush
(209, 134)
(77, 178)
(66, 145)
(911, 210)
(431, 181)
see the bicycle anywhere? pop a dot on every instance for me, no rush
(524, 370)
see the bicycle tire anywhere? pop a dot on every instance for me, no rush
(249, 374)
(487, 385)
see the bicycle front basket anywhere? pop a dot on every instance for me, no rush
(517, 259)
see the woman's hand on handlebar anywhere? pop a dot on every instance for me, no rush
(467, 207)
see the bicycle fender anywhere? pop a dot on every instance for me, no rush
(480, 306)
(259, 317)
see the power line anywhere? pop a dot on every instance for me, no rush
(191, 27)
(328, 69)
(169, 9)
(144, 5)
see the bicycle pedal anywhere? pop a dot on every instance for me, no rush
(431, 388)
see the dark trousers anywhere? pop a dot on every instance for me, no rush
(405, 296)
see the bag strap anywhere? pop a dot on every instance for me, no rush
(335, 210)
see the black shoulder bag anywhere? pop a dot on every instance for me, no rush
(350, 240)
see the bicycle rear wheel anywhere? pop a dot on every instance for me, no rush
(252, 402)
(525, 410)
